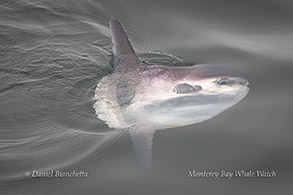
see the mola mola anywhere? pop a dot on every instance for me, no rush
(143, 99)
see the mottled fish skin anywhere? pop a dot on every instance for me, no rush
(124, 93)
(143, 99)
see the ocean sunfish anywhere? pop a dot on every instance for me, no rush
(142, 98)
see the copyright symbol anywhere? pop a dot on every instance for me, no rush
(27, 174)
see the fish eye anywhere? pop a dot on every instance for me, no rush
(185, 88)
(223, 81)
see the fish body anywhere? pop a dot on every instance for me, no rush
(144, 99)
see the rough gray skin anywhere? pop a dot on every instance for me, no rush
(143, 99)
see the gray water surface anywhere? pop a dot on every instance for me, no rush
(52, 54)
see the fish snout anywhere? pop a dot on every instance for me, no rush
(243, 81)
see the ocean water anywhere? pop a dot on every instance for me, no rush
(52, 54)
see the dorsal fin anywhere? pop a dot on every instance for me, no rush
(122, 49)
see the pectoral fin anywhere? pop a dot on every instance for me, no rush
(142, 139)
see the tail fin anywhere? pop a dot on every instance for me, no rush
(121, 44)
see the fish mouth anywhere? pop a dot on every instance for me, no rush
(244, 82)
